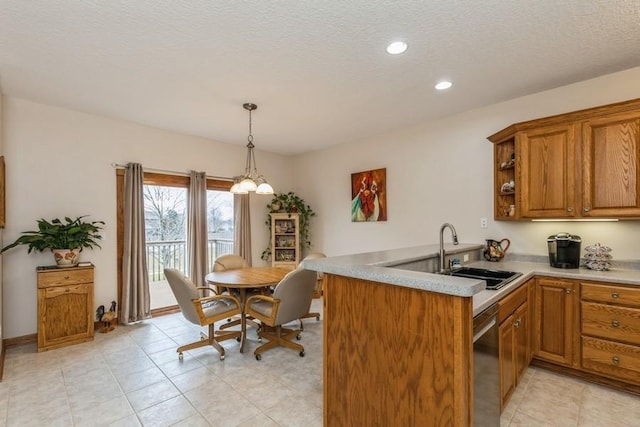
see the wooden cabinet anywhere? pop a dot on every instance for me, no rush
(574, 165)
(396, 356)
(547, 176)
(514, 332)
(610, 169)
(556, 320)
(285, 240)
(65, 306)
(610, 330)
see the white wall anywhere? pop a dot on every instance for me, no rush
(58, 163)
(442, 172)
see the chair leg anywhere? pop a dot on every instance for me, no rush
(212, 339)
(307, 316)
(280, 336)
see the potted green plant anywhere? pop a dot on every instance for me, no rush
(290, 203)
(64, 239)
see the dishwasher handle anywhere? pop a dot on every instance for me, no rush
(484, 329)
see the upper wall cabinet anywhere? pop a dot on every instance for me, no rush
(583, 164)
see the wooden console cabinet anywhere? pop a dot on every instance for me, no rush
(65, 306)
(583, 164)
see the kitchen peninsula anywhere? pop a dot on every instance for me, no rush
(398, 344)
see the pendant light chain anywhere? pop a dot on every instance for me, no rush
(251, 180)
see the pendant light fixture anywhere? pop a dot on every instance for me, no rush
(250, 181)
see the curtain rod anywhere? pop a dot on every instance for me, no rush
(121, 166)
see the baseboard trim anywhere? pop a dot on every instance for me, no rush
(25, 339)
(587, 376)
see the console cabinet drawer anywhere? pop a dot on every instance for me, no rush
(612, 359)
(612, 322)
(67, 276)
(629, 296)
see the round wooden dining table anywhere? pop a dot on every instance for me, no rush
(243, 279)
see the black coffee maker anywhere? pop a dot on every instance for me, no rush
(564, 250)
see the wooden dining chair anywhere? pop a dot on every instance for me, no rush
(203, 311)
(228, 262)
(290, 301)
(317, 293)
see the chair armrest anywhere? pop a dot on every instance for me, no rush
(215, 297)
(261, 297)
(204, 320)
(275, 304)
(207, 288)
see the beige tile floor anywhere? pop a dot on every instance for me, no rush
(547, 399)
(132, 377)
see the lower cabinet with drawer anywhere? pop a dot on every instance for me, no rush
(610, 330)
(65, 306)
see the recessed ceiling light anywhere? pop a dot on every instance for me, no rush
(445, 84)
(396, 48)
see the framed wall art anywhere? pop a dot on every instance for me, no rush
(369, 196)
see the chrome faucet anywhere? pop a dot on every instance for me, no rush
(455, 242)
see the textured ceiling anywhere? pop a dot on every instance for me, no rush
(318, 69)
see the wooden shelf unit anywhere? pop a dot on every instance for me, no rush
(285, 240)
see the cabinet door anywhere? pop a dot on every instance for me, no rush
(507, 368)
(547, 172)
(610, 166)
(65, 315)
(521, 340)
(555, 314)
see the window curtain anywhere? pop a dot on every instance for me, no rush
(197, 237)
(136, 302)
(242, 227)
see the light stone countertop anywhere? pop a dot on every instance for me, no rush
(485, 298)
(374, 266)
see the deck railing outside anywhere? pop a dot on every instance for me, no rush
(172, 254)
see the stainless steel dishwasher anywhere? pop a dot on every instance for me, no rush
(486, 369)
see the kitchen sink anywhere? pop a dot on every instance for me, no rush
(495, 278)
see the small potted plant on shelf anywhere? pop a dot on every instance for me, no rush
(64, 239)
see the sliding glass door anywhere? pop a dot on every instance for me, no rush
(165, 229)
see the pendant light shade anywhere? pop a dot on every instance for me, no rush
(251, 181)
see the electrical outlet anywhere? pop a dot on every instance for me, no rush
(484, 222)
(465, 257)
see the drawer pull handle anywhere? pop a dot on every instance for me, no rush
(615, 360)
(66, 277)
(67, 290)
(516, 324)
(615, 295)
(568, 291)
(615, 323)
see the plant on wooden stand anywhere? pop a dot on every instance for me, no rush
(290, 203)
(65, 240)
